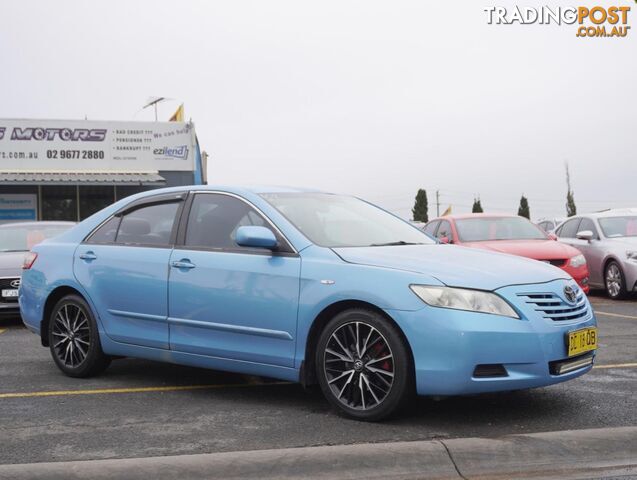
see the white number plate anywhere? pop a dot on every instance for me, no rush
(10, 293)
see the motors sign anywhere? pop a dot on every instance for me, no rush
(98, 146)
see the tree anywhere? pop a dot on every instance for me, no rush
(477, 206)
(571, 209)
(524, 210)
(421, 207)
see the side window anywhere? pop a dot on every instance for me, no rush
(106, 233)
(587, 224)
(431, 228)
(444, 230)
(569, 229)
(151, 225)
(215, 218)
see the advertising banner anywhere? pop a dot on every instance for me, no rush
(18, 206)
(81, 145)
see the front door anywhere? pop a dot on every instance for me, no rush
(229, 301)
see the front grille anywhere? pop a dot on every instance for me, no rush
(556, 263)
(551, 306)
(5, 284)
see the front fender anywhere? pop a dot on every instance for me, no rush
(326, 279)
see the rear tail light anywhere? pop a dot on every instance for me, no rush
(29, 260)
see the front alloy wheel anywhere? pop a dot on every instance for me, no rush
(74, 340)
(615, 284)
(363, 365)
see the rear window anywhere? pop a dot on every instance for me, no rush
(497, 228)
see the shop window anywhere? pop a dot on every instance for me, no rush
(59, 202)
(94, 198)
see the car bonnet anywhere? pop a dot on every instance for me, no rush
(455, 266)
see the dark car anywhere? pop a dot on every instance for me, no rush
(16, 239)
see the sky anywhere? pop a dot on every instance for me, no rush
(371, 98)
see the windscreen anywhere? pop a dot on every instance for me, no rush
(342, 221)
(21, 238)
(614, 227)
(483, 229)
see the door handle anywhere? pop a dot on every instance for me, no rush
(88, 256)
(183, 263)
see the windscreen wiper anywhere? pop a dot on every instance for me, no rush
(391, 244)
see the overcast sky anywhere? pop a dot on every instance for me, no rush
(373, 98)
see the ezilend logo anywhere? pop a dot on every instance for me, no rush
(175, 152)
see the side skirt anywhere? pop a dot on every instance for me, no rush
(111, 347)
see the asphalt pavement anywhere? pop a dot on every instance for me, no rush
(146, 409)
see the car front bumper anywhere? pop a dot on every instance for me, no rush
(9, 309)
(629, 268)
(449, 345)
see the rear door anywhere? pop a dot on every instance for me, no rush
(229, 301)
(123, 266)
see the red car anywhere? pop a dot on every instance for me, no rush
(513, 235)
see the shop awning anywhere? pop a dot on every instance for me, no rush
(80, 178)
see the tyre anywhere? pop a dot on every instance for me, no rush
(614, 281)
(363, 365)
(74, 340)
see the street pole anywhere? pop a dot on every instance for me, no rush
(437, 203)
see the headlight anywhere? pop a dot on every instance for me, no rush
(578, 261)
(464, 299)
(632, 255)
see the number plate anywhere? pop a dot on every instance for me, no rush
(10, 293)
(582, 341)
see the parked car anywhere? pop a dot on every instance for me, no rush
(550, 224)
(16, 239)
(608, 240)
(513, 235)
(302, 286)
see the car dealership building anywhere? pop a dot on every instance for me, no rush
(70, 169)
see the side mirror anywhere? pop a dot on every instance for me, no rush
(551, 236)
(585, 235)
(444, 240)
(256, 237)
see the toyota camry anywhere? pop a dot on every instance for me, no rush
(302, 286)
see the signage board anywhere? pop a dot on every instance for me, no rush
(18, 207)
(83, 145)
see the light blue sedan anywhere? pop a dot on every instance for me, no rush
(303, 286)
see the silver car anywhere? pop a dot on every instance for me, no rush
(608, 240)
(15, 240)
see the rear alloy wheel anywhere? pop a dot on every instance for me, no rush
(614, 279)
(74, 340)
(363, 366)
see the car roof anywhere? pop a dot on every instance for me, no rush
(52, 223)
(258, 189)
(615, 212)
